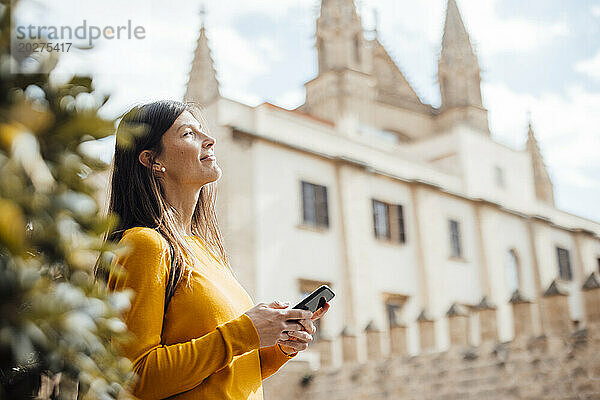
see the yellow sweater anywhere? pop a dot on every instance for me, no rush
(209, 348)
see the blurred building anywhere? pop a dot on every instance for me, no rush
(430, 232)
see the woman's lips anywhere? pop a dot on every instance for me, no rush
(209, 158)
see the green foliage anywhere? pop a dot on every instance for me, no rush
(54, 316)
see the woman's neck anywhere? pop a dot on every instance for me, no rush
(184, 201)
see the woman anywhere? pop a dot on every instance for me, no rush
(208, 340)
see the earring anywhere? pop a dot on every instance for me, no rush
(163, 169)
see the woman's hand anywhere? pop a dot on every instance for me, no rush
(271, 322)
(300, 340)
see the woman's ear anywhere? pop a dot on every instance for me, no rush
(146, 158)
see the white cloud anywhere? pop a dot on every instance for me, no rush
(158, 66)
(237, 53)
(494, 33)
(242, 96)
(272, 8)
(239, 61)
(269, 49)
(291, 99)
(590, 67)
(595, 10)
(567, 128)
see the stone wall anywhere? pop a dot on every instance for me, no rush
(562, 363)
(526, 368)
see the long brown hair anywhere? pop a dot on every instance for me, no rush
(137, 195)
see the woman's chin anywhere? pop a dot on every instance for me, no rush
(214, 175)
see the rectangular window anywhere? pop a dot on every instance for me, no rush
(400, 220)
(314, 204)
(499, 172)
(394, 304)
(456, 249)
(388, 221)
(564, 264)
(393, 311)
(381, 219)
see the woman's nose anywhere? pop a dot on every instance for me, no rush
(209, 141)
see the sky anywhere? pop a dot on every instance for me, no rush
(539, 57)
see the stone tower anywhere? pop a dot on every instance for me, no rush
(202, 86)
(343, 85)
(544, 190)
(340, 41)
(459, 76)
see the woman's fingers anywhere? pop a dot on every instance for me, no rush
(295, 344)
(292, 326)
(279, 304)
(300, 335)
(308, 325)
(295, 335)
(300, 325)
(294, 313)
(320, 312)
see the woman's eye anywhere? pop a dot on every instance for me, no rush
(188, 132)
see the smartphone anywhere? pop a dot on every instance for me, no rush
(316, 299)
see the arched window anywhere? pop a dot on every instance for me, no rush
(511, 271)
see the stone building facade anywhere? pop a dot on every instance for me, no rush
(433, 235)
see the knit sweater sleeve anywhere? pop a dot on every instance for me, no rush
(167, 370)
(272, 359)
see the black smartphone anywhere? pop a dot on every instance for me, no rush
(316, 299)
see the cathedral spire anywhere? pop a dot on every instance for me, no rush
(455, 39)
(340, 9)
(202, 86)
(340, 41)
(459, 74)
(544, 190)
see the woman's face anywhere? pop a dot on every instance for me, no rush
(184, 146)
